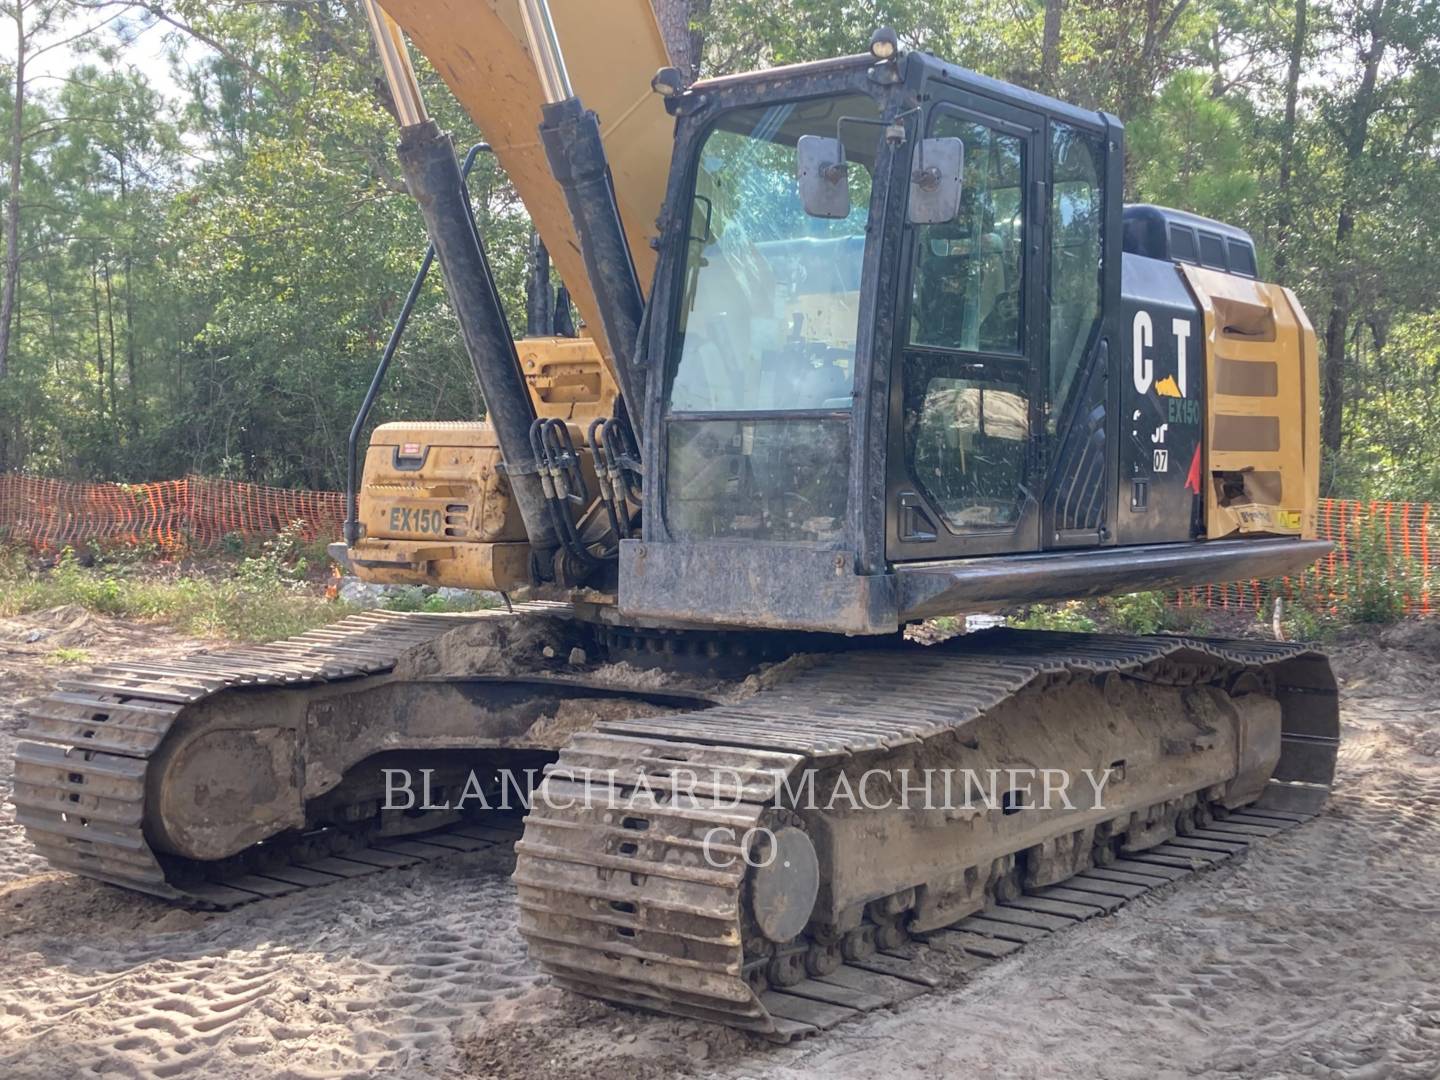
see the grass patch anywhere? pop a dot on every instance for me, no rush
(65, 656)
(260, 599)
(1150, 613)
(1072, 617)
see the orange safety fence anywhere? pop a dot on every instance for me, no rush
(1399, 541)
(192, 514)
(1395, 541)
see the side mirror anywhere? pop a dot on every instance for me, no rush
(823, 176)
(937, 181)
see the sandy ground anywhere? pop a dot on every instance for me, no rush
(1317, 954)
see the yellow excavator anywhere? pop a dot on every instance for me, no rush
(864, 342)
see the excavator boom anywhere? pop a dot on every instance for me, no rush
(612, 50)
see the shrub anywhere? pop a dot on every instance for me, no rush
(1187, 620)
(1070, 617)
(423, 598)
(1139, 613)
(1299, 622)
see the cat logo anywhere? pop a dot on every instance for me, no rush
(1162, 461)
(1143, 338)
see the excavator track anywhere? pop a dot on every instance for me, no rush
(81, 777)
(621, 899)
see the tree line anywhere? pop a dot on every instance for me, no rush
(199, 271)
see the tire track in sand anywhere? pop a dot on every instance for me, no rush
(359, 978)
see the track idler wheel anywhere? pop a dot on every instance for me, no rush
(784, 882)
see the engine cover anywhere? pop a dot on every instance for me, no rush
(435, 508)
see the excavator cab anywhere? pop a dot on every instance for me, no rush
(904, 361)
(862, 411)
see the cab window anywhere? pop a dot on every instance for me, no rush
(1076, 218)
(772, 295)
(757, 437)
(966, 381)
(969, 272)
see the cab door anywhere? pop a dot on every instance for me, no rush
(967, 397)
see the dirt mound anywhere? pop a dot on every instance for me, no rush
(1418, 636)
(1399, 659)
(62, 627)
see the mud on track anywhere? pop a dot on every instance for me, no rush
(1316, 954)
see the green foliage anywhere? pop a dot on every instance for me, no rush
(1190, 150)
(124, 553)
(1071, 617)
(67, 655)
(1301, 621)
(283, 558)
(1139, 613)
(948, 625)
(741, 35)
(1151, 613)
(1375, 584)
(1376, 598)
(1187, 620)
(412, 599)
(221, 311)
(1394, 449)
(1376, 587)
(259, 602)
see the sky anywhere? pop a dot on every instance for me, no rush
(145, 48)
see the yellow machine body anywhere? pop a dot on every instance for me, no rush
(435, 504)
(1262, 431)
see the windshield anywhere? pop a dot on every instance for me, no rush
(771, 302)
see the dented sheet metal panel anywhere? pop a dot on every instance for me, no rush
(612, 50)
(1262, 460)
(437, 507)
(567, 378)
